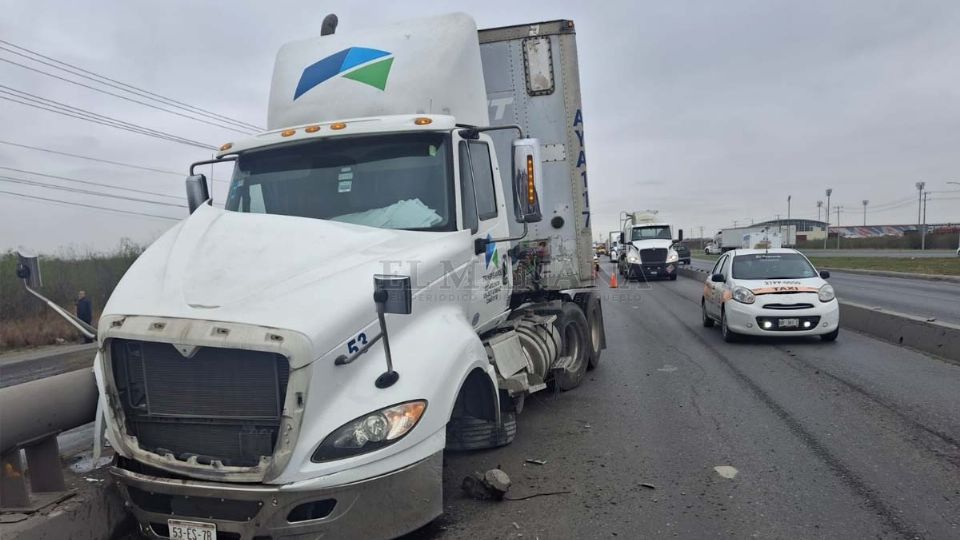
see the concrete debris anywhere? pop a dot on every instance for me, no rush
(491, 485)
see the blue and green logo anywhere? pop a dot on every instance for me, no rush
(492, 254)
(368, 66)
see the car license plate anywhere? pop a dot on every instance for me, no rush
(191, 530)
(789, 323)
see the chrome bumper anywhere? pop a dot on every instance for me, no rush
(383, 507)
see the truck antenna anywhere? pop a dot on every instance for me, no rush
(329, 25)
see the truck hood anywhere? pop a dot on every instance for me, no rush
(308, 275)
(654, 243)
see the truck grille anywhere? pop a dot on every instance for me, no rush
(219, 405)
(653, 255)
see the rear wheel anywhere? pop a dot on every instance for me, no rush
(590, 304)
(575, 334)
(728, 335)
(830, 336)
(472, 433)
(707, 321)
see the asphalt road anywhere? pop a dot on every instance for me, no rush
(852, 439)
(17, 368)
(929, 299)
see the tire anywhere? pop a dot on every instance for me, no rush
(707, 321)
(728, 335)
(472, 433)
(590, 304)
(575, 334)
(830, 336)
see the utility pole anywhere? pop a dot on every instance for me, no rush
(920, 186)
(838, 225)
(701, 238)
(819, 206)
(826, 216)
(958, 237)
(788, 206)
(865, 203)
(923, 231)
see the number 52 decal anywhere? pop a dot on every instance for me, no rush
(352, 344)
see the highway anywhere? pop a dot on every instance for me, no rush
(21, 367)
(939, 300)
(852, 439)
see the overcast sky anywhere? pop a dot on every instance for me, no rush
(707, 111)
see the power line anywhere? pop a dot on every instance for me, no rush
(82, 114)
(124, 86)
(89, 182)
(78, 156)
(14, 180)
(71, 203)
(245, 131)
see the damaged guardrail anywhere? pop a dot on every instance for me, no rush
(32, 414)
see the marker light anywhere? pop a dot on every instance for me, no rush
(338, 126)
(422, 121)
(287, 132)
(226, 146)
(312, 129)
(531, 188)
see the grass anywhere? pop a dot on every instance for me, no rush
(938, 266)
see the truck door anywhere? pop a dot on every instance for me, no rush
(484, 214)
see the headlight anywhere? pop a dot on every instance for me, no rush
(743, 295)
(826, 293)
(672, 256)
(633, 258)
(370, 432)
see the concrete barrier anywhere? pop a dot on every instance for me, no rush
(934, 337)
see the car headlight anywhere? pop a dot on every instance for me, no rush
(826, 293)
(743, 295)
(370, 432)
(633, 258)
(672, 256)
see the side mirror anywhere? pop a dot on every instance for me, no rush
(718, 278)
(395, 293)
(824, 274)
(527, 180)
(680, 235)
(28, 268)
(197, 192)
(621, 242)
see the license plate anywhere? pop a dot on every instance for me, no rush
(191, 530)
(789, 323)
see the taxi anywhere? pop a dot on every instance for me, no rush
(769, 292)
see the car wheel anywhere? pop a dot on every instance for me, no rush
(728, 335)
(707, 321)
(830, 336)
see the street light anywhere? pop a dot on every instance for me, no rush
(788, 207)
(826, 215)
(865, 203)
(819, 206)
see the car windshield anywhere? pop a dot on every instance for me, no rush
(400, 181)
(772, 266)
(651, 233)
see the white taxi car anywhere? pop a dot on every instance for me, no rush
(769, 292)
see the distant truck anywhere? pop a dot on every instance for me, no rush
(762, 240)
(647, 247)
(249, 383)
(613, 245)
(732, 238)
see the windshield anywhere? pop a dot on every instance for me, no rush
(772, 266)
(657, 232)
(398, 181)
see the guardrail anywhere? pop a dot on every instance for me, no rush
(32, 414)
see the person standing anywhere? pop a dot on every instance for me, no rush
(84, 311)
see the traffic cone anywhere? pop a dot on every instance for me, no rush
(613, 279)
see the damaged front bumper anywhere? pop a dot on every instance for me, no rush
(386, 506)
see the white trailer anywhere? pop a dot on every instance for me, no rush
(732, 238)
(403, 256)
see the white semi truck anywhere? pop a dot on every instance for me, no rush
(647, 247)
(402, 257)
(733, 237)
